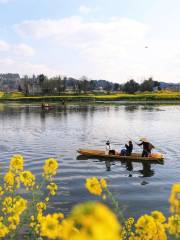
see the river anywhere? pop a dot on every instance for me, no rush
(39, 134)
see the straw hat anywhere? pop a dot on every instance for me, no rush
(143, 139)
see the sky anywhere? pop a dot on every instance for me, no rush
(116, 40)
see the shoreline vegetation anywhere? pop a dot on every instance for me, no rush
(95, 97)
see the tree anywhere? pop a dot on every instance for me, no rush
(157, 84)
(64, 84)
(131, 87)
(42, 78)
(19, 88)
(116, 87)
(147, 85)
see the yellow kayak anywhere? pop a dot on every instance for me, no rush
(136, 157)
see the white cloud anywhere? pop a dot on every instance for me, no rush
(112, 35)
(24, 50)
(6, 62)
(102, 44)
(113, 49)
(4, 46)
(12, 65)
(21, 49)
(85, 9)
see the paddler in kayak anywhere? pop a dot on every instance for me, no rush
(127, 150)
(109, 149)
(147, 147)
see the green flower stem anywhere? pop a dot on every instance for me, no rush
(116, 206)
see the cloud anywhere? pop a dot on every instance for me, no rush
(85, 9)
(113, 34)
(6, 62)
(24, 50)
(21, 49)
(105, 45)
(23, 68)
(4, 46)
(112, 49)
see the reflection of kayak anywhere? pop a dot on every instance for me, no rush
(135, 157)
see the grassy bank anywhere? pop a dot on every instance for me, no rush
(147, 96)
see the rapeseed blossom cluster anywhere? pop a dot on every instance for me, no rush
(127, 228)
(16, 164)
(50, 168)
(12, 204)
(87, 221)
(173, 225)
(27, 178)
(52, 187)
(95, 186)
(150, 227)
(50, 226)
(175, 199)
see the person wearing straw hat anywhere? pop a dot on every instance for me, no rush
(147, 147)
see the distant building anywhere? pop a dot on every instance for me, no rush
(30, 86)
(9, 82)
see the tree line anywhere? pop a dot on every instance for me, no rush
(43, 85)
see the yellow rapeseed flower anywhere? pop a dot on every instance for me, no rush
(27, 178)
(41, 206)
(91, 221)
(7, 205)
(93, 186)
(158, 216)
(175, 198)
(3, 230)
(50, 226)
(13, 222)
(20, 205)
(9, 179)
(14, 205)
(103, 183)
(127, 227)
(16, 164)
(50, 168)
(52, 187)
(148, 228)
(173, 225)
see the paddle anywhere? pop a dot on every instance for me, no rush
(133, 140)
(138, 144)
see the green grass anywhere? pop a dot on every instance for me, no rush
(147, 96)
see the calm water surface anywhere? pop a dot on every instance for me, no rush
(37, 134)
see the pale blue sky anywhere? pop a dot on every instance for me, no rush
(98, 38)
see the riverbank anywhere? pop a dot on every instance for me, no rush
(148, 96)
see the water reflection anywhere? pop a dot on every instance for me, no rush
(108, 165)
(145, 172)
(131, 108)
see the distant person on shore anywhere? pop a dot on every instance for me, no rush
(147, 147)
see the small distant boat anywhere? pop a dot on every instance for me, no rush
(46, 106)
(135, 157)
